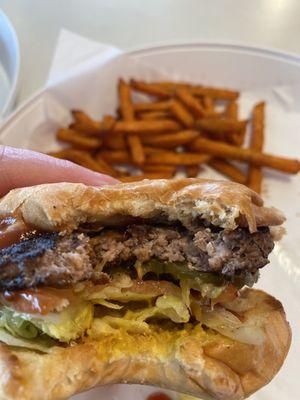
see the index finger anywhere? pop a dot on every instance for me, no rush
(19, 168)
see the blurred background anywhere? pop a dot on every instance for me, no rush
(133, 23)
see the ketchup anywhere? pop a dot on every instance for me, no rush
(13, 230)
(158, 396)
(37, 301)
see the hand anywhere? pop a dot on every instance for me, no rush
(19, 168)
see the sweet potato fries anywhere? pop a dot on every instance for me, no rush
(180, 127)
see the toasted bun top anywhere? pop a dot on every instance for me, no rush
(65, 206)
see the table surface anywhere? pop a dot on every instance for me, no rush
(134, 23)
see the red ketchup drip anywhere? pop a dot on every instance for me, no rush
(37, 301)
(158, 396)
(13, 230)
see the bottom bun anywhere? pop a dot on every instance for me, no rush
(204, 364)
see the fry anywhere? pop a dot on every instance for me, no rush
(136, 149)
(172, 158)
(82, 158)
(159, 168)
(105, 167)
(192, 171)
(229, 170)
(256, 143)
(126, 107)
(135, 178)
(181, 113)
(199, 90)
(155, 106)
(171, 140)
(215, 93)
(232, 110)
(81, 116)
(115, 157)
(77, 140)
(171, 87)
(86, 129)
(221, 125)
(223, 150)
(227, 130)
(84, 123)
(150, 88)
(236, 138)
(127, 112)
(257, 138)
(63, 154)
(115, 142)
(166, 89)
(256, 178)
(208, 103)
(151, 150)
(141, 127)
(190, 102)
(146, 135)
(107, 123)
(153, 115)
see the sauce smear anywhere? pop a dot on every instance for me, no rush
(38, 301)
(13, 230)
(158, 396)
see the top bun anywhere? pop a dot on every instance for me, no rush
(66, 206)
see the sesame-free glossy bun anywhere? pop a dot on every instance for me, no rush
(65, 206)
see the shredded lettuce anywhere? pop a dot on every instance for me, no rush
(115, 294)
(107, 325)
(166, 306)
(73, 323)
(16, 325)
(41, 343)
(65, 326)
(104, 294)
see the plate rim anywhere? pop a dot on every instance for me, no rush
(15, 78)
(146, 49)
(213, 44)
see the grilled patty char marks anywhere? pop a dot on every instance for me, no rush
(58, 261)
(45, 260)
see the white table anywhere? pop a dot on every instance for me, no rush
(134, 23)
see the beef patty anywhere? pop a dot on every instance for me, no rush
(53, 260)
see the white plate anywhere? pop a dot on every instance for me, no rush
(9, 65)
(239, 67)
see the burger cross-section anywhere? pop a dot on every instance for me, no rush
(146, 282)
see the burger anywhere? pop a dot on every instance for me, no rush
(147, 283)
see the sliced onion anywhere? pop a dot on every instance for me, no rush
(224, 322)
(238, 305)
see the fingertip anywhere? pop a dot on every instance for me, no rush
(101, 179)
(79, 174)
